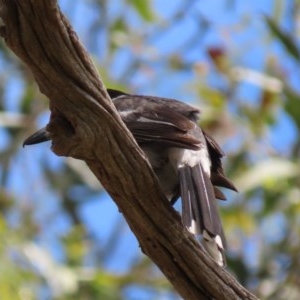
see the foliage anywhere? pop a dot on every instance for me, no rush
(62, 237)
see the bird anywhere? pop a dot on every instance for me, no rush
(185, 159)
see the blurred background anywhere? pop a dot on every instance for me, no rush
(61, 235)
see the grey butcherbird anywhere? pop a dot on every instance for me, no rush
(185, 159)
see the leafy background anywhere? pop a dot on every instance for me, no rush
(61, 235)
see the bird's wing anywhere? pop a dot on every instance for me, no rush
(218, 177)
(160, 126)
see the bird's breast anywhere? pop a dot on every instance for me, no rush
(164, 170)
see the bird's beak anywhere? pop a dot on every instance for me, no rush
(40, 136)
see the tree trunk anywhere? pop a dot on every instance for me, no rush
(85, 125)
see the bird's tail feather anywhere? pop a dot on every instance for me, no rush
(190, 210)
(199, 210)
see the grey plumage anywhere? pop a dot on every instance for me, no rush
(185, 159)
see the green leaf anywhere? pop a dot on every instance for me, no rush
(292, 104)
(267, 173)
(143, 8)
(287, 40)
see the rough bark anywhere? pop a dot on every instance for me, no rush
(85, 125)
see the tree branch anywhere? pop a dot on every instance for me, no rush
(85, 125)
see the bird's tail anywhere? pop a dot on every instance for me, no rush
(199, 210)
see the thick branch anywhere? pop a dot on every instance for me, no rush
(85, 125)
